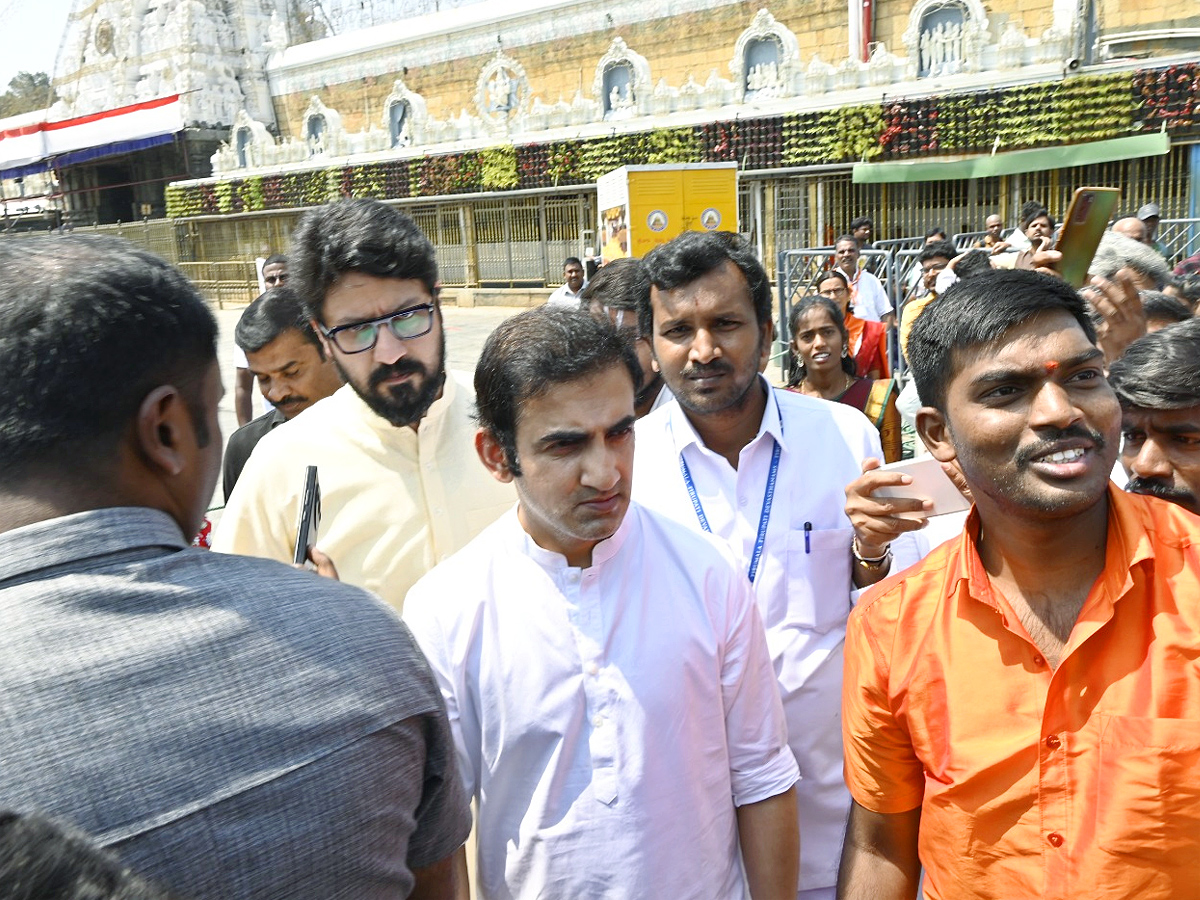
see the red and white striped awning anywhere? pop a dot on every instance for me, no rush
(29, 144)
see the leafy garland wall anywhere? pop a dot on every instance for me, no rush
(1080, 109)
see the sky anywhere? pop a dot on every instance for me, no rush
(32, 29)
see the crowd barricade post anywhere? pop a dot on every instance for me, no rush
(1180, 237)
(965, 240)
(798, 273)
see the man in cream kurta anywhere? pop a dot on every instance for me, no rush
(394, 448)
(395, 501)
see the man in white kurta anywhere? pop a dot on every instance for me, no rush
(776, 496)
(608, 719)
(605, 670)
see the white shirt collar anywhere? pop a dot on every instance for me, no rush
(553, 561)
(684, 434)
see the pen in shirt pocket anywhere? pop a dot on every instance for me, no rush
(808, 537)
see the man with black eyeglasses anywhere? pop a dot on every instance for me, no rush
(394, 449)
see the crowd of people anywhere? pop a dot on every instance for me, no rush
(632, 618)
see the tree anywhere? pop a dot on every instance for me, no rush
(26, 92)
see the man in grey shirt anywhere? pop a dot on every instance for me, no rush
(230, 727)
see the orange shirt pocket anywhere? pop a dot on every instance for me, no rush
(1148, 803)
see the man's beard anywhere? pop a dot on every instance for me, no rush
(405, 403)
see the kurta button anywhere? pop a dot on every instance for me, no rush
(1054, 839)
(593, 669)
(1038, 661)
(598, 721)
(1053, 743)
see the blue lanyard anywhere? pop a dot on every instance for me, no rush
(760, 541)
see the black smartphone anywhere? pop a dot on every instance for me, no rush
(310, 516)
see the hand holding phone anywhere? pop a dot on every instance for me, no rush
(1087, 217)
(310, 517)
(929, 483)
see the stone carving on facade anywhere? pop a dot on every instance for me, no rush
(415, 115)
(277, 33)
(501, 92)
(847, 74)
(818, 76)
(322, 128)
(1012, 46)
(250, 141)
(766, 59)
(718, 91)
(945, 37)
(118, 52)
(662, 101)
(1054, 45)
(883, 67)
(621, 82)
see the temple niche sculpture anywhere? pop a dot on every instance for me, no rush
(405, 116)
(501, 95)
(621, 86)
(945, 37)
(766, 60)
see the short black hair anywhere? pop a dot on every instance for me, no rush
(89, 325)
(826, 274)
(1189, 287)
(572, 260)
(41, 859)
(978, 312)
(973, 263)
(944, 249)
(696, 253)
(937, 229)
(275, 259)
(622, 284)
(1160, 370)
(1164, 308)
(270, 315)
(1030, 210)
(358, 235)
(530, 353)
(859, 221)
(803, 305)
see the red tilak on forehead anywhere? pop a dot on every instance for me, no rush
(1051, 367)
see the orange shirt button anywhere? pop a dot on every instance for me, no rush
(1038, 661)
(1053, 743)
(1054, 839)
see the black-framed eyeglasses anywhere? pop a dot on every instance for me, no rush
(359, 337)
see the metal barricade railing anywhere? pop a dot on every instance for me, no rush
(1180, 237)
(233, 282)
(966, 239)
(798, 273)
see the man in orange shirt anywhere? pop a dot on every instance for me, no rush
(1021, 710)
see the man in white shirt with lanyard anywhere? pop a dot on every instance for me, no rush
(605, 670)
(766, 470)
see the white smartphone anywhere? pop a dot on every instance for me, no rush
(929, 482)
